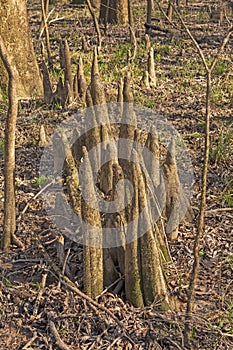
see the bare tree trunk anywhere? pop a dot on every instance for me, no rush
(17, 38)
(114, 11)
(131, 22)
(148, 15)
(9, 153)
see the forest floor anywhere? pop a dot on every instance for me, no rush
(33, 299)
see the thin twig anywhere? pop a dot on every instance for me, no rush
(165, 15)
(217, 210)
(46, 28)
(30, 342)
(134, 44)
(111, 285)
(40, 293)
(65, 261)
(200, 52)
(96, 24)
(59, 342)
(32, 199)
(46, 21)
(201, 219)
(224, 42)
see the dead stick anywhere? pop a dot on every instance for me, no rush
(59, 342)
(40, 293)
(29, 343)
(96, 24)
(32, 199)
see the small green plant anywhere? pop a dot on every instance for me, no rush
(194, 135)
(6, 281)
(192, 335)
(217, 94)
(230, 260)
(227, 194)
(221, 68)
(39, 181)
(57, 73)
(158, 57)
(222, 149)
(1, 146)
(228, 198)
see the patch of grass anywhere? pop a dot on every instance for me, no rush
(221, 151)
(194, 135)
(227, 195)
(217, 94)
(230, 260)
(2, 143)
(57, 73)
(6, 281)
(163, 49)
(221, 68)
(228, 198)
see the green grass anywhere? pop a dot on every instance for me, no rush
(217, 95)
(221, 68)
(1, 145)
(221, 151)
(227, 194)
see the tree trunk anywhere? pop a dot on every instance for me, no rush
(148, 15)
(17, 38)
(9, 153)
(114, 11)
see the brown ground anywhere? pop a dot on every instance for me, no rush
(25, 307)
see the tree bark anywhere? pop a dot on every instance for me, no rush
(17, 38)
(9, 153)
(114, 11)
(138, 257)
(148, 15)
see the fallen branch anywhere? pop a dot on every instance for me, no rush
(160, 29)
(30, 342)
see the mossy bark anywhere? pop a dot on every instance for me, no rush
(172, 192)
(136, 252)
(92, 230)
(132, 256)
